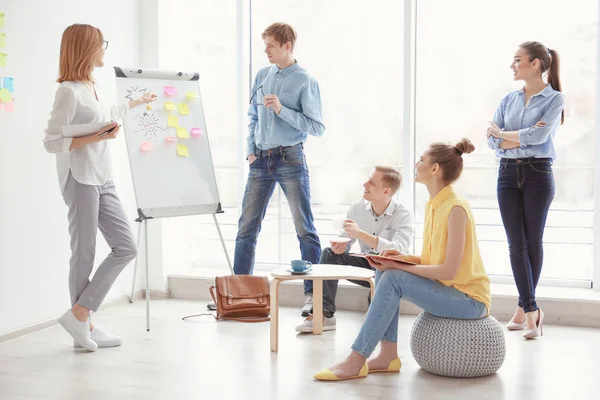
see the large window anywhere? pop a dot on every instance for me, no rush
(463, 73)
(356, 53)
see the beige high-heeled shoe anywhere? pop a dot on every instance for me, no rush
(538, 330)
(515, 326)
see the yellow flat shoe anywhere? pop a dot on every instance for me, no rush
(394, 366)
(327, 375)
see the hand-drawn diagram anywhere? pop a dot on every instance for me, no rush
(149, 124)
(135, 92)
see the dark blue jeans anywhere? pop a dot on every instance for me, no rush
(525, 192)
(286, 166)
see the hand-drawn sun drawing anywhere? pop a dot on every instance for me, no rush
(149, 124)
(135, 92)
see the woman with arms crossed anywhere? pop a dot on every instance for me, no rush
(522, 134)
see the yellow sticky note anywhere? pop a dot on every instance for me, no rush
(170, 106)
(2, 40)
(173, 121)
(184, 109)
(5, 96)
(192, 95)
(1, 21)
(182, 150)
(3, 60)
(182, 133)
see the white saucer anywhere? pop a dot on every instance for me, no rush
(340, 239)
(291, 271)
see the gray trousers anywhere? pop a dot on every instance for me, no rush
(92, 207)
(330, 286)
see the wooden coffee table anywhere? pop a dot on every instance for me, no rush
(317, 274)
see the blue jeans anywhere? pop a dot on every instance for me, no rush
(393, 285)
(286, 166)
(525, 192)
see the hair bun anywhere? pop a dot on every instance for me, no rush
(465, 146)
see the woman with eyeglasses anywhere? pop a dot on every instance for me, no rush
(85, 179)
(522, 134)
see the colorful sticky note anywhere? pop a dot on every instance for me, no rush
(10, 106)
(173, 121)
(170, 91)
(5, 96)
(170, 106)
(146, 147)
(182, 150)
(196, 132)
(182, 133)
(3, 57)
(2, 40)
(192, 95)
(1, 21)
(184, 109)
(170, 139)
(9, 84)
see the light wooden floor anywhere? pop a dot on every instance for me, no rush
(202, 359)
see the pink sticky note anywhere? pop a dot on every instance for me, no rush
(9, 107)
(170, 139)
(196, 132)
(170, 91)
(146, 147)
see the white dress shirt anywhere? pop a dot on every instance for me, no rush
(393, 228)
(76, 103)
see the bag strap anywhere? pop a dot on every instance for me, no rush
(241, 319)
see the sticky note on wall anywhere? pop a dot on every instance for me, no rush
(192, 95)
(146, 147)
(5, 96)
(3, 57)
(170, 91)
(196, 132)
(10, 106)
(9, 84)
(173, 121)
(182, 150)
(170, 106)
(184, 109)
(182, 133)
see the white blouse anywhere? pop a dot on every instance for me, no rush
(76, 103)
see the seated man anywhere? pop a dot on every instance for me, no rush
(378, 222)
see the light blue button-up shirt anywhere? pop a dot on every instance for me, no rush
(301, 114)
(514, 115)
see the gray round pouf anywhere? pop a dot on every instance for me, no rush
(458, 348)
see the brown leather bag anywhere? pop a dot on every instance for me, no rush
(245, 298)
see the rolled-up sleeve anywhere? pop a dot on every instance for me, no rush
(63, 112)
(535, 135)
(403, 233)
(119, 111)
(494, 142)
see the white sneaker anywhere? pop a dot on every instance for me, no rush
(103, 339)
(307, 325)
(308, 305)
(79, 330)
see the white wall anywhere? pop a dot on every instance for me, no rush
(34, 241)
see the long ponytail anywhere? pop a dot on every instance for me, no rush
(550, 63)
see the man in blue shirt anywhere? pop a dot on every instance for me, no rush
(285, 108)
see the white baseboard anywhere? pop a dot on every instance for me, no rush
(559, 310)
(38, 326)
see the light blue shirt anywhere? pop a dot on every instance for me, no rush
(301, 114)
(514, 115)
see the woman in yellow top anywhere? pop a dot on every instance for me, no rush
(449, 280)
